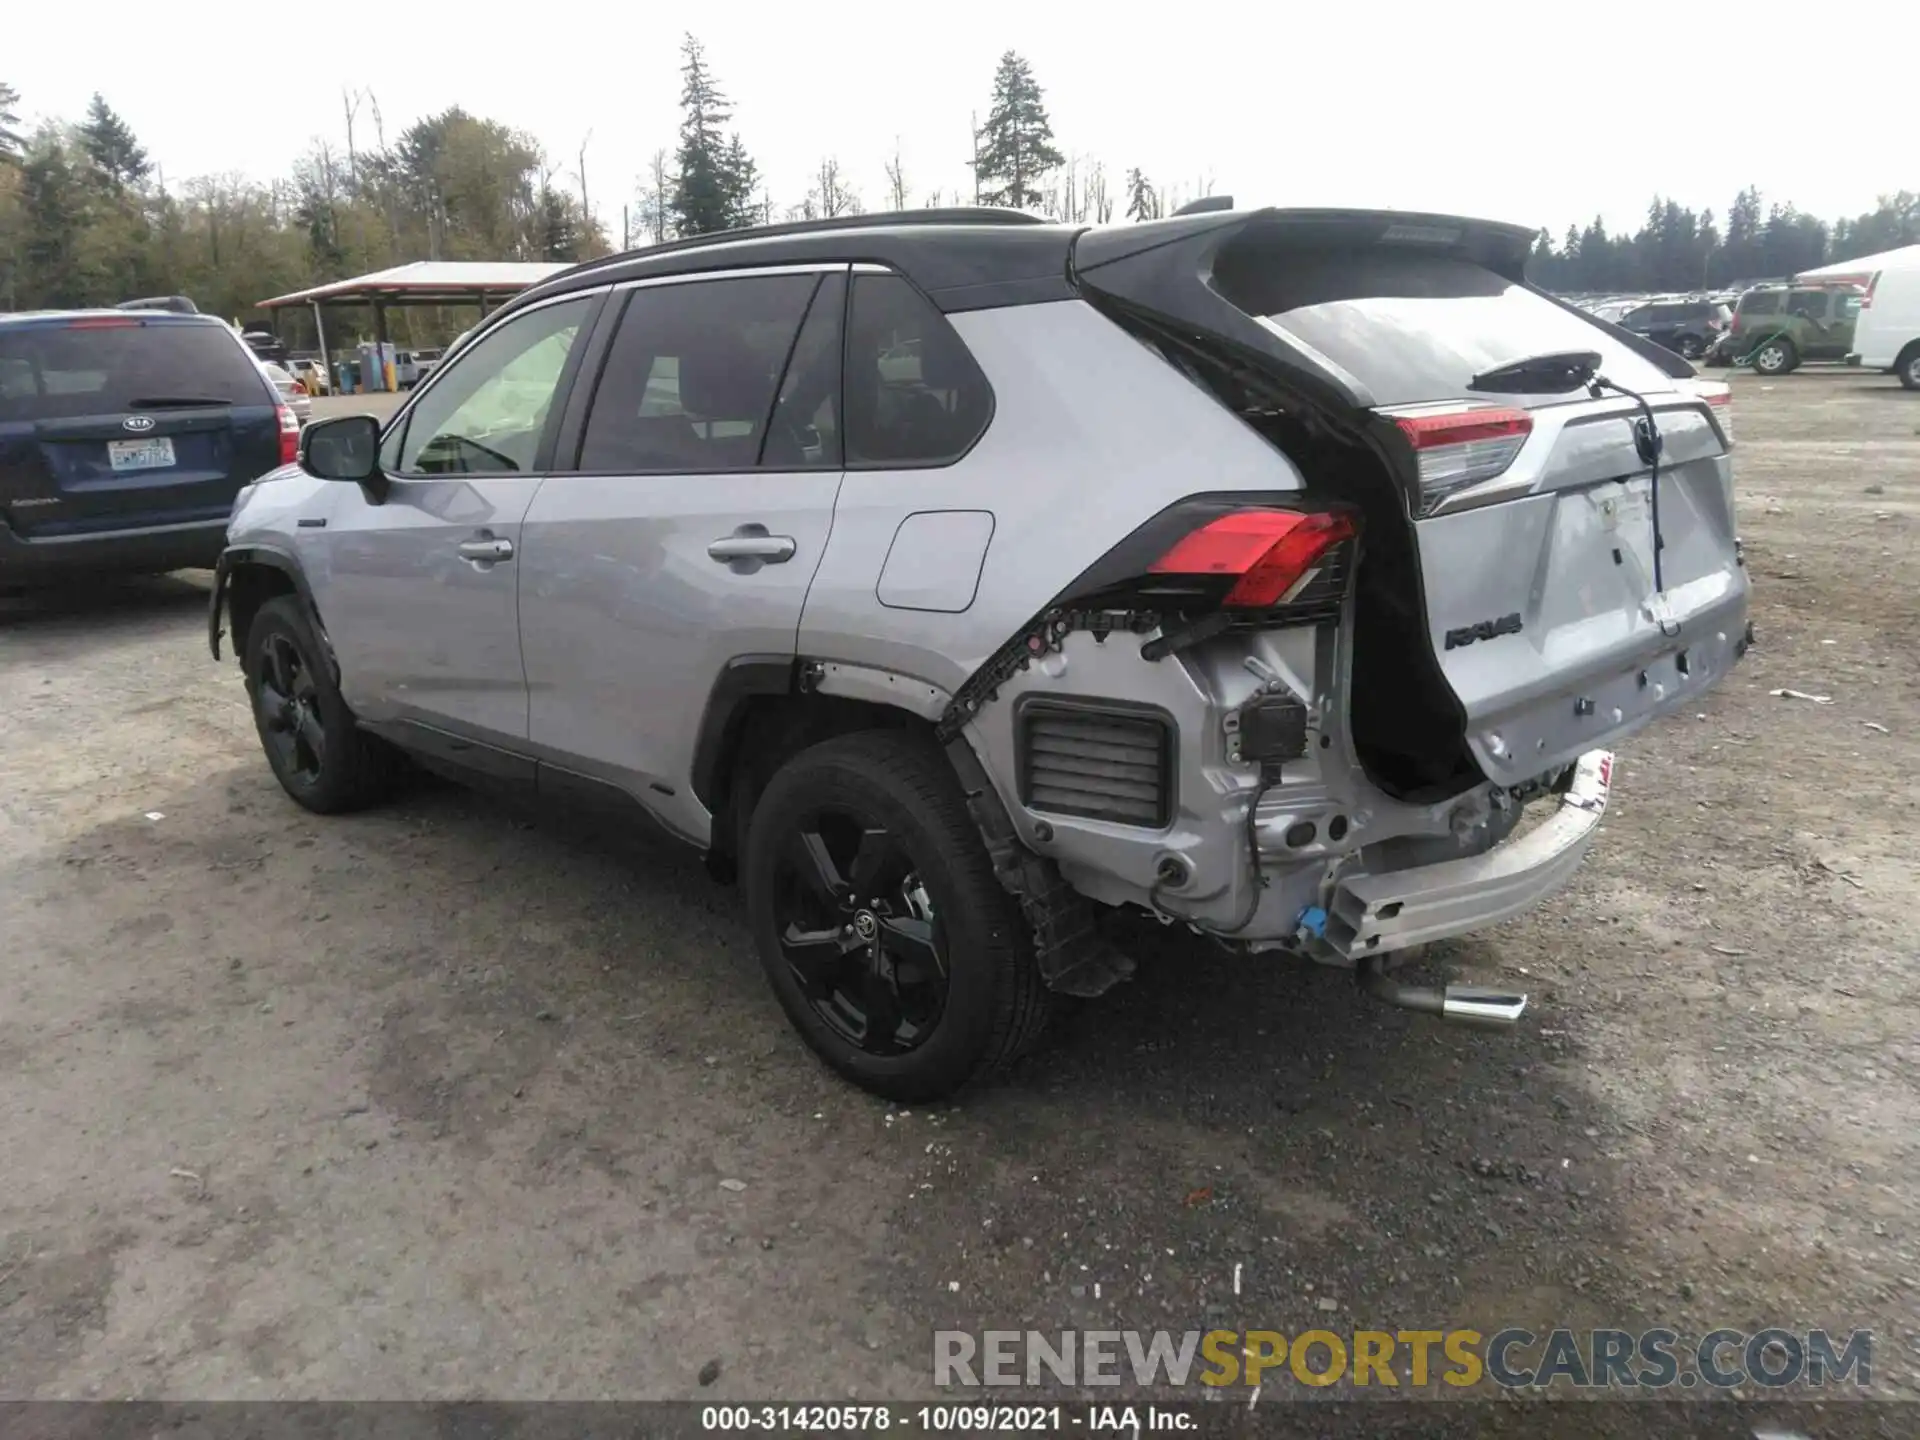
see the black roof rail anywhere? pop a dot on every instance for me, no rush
(933, 215)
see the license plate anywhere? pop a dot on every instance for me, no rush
(154, 454)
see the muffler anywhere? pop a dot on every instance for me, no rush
(1480, 1006)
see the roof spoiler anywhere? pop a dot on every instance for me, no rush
(1162, 271)
(178, 304)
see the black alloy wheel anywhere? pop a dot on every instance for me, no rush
(858, 930)
(317, 750)
(288, 705)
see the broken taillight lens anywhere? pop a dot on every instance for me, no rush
(1271, 554)
(289, 435)
(1458, 447)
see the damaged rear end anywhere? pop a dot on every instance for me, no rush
(1376, 705)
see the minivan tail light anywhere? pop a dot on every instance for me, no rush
(1873, 284)
(289, 434)
(1271, 554)
(1458, 448)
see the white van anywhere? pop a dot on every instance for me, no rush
(1887, 334)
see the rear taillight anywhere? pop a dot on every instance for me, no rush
(1271, 554)
(1719, 399)
(102, 322)
(1460, 447)
(1873, 284)
(289, 435)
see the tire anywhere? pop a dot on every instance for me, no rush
(1776, 357)
(949, 963)
(318, 754)
(1907, 367)
(1691, 347)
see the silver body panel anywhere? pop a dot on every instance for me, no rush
(599, 644)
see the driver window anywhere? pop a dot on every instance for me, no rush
(486, 414)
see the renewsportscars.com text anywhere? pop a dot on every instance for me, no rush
(1511, 1358)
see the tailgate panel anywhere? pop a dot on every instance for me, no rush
(1596, 653)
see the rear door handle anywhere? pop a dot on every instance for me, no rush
(488, 550)
(768, 549)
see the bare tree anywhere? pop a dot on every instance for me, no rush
(586, 210)
(656, 198)
(896, 179)
(1096, 204)
(831, 194)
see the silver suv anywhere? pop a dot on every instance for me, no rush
(962, 582)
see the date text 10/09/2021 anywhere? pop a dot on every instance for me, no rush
(953, 1419)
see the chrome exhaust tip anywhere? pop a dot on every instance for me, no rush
(1482, 1006)
(1479, 1007)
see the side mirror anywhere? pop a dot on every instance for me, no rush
(347, 448)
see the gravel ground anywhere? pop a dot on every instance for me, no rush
(447, 1101)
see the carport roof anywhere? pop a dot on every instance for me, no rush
(426, 282)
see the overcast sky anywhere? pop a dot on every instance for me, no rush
(1563, 111)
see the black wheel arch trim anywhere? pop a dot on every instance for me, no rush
(272, 557)
(740, 680)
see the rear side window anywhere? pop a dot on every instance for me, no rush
(689, 382)
(111, 367)
(1810, 303)
(1766, 302)
(914, 395)
(1414, 327)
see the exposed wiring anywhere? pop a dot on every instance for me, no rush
(1649, 442)
(1255, 891)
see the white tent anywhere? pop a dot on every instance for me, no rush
(1907, 257)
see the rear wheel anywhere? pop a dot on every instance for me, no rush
(1692, 347)
(1776, 357)
(895, 952)
(319, 756)
(1908, 368)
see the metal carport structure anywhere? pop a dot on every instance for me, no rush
(481, 283)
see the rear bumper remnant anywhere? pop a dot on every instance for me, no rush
(1377, 914)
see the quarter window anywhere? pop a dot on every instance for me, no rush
(914, 396)
(689, 382)
(485, 416)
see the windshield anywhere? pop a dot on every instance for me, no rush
(1414, 327)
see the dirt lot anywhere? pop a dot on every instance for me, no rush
(438, 1101)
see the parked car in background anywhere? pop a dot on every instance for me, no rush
(814, 585)
(1776, 327)
(124, 437)
(1887, 334)
(312, 375)
(292, 394)
(1687, 327)
(265, 345)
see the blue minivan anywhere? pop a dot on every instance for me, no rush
(124, 437)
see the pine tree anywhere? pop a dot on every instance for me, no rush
(1016, 144)
(54, 213)
(109, 142)
(707, 188)
(1142, 202)
(11, 142)
(740, 178)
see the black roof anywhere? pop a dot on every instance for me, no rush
(964, 258)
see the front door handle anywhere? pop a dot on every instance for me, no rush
(751, 542)
(486, 550)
